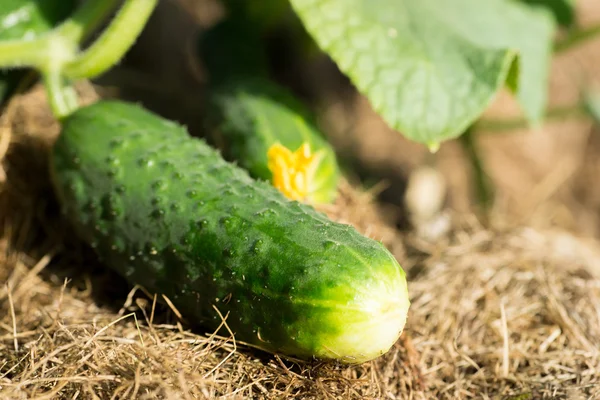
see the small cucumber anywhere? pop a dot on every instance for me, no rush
(167, 212)
(27, 19)
(260, 124)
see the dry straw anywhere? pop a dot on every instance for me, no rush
(494, 314)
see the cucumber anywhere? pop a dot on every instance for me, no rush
(260, 124)
(167, 212)
(21, 19)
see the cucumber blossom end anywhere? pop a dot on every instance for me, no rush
(256, 121)
(294, 172)
(372, 324)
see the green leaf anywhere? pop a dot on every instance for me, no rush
(27, 19)
(563, 10)
(431, 67)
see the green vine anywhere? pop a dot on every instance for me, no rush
(114, 41)
(39, 53)
(86, 19)
(503, 125)
(61, 96)
(483, 184)
(577, 37)
(57, 56)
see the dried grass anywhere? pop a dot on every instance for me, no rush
(494, 314)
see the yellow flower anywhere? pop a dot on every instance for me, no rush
(293, 172)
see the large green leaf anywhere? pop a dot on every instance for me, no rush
(431, 67)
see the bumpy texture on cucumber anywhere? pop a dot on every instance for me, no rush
(167, 212)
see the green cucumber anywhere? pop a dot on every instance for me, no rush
(250, 116)
(27, 19)
(260, 124)
(167, 212)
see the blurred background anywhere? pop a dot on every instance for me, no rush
(543, 176)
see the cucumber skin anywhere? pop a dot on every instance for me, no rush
(167, 212)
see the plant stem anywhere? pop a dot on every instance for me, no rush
(59, 45)
(62, 97)
(86, 19)
(47, 52)
(23, 53)
(576, 37)
(114, 42)
(483, 184)
(510, 124)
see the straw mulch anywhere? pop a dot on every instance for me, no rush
(512, 314)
